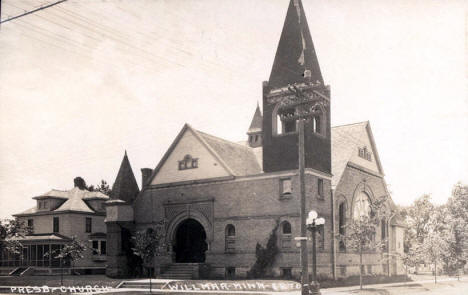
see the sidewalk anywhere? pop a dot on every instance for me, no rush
(342, 290)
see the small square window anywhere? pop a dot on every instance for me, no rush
(230, 272)
(285, 186)
(286, 273)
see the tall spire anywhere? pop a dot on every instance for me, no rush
(125, 187)
(296, 52)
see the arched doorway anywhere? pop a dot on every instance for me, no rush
(190, 242)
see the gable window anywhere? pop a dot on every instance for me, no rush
(88, 226)
(56, 225)
(286, 233)
(365, 154)
(230, 238)
(320, 188)
(188, 163)
(285, 187)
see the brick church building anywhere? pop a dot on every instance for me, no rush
(220, 198)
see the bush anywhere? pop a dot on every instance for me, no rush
(265, 257)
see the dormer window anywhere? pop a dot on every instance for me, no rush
(365, 154)
(188, 163)
(42, 204)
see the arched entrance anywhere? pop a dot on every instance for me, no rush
(190, 242)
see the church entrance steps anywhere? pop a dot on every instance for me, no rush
(180, 271)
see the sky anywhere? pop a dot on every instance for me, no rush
(85, 80)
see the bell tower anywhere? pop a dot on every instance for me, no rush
(295, 66)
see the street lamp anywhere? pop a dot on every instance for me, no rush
(312, 222)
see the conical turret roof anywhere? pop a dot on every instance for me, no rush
(125, 186)
(257, 122)
(296, 52)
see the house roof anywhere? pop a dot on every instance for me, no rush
(74, 200)
(125, 186)
(41, 237)
(295, 52)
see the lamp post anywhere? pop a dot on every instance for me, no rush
(312, 222)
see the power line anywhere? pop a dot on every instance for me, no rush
(32, 11)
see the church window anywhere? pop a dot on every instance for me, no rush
(230, 272)
(286, 233)
(365, 154)
(361, 206)
(321, 237)
(383, 228)
(316, 124)
(342, 224)
(285, 122)
(320, 188)
(230, 238)
(188, 163)
(285, 187)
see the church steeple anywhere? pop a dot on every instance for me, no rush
(296, 52)
(125, 187)
(255, 130)
(295, 62)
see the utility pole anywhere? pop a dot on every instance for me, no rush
(305, 106)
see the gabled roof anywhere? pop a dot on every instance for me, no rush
(239, 158)
(236, 159)
(296, 52)
(345, 142)
(257, 122)
(74, 201)
(125, 186)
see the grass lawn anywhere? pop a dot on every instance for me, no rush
(54, 281)
(446, 288)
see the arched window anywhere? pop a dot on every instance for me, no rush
(230, 230)
(361, 206)
(383, 229)
(286, 228)
(316, 124)
(230, 238)
(283, 121)
(342, 224)
(286, 232)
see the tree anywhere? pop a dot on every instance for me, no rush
(265, 256)
(103, 187)
(434, 245)
(455, 229)
(360, 232)
(69, 253)
(10, 231)
(417, 217)
(150, 243)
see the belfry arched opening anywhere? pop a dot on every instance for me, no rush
(190, 242)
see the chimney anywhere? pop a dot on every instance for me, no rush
(79, 183)
(145, 175)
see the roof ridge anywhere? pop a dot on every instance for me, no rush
(225, 140)
(349, 124)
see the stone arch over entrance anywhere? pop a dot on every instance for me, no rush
(198, 228)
